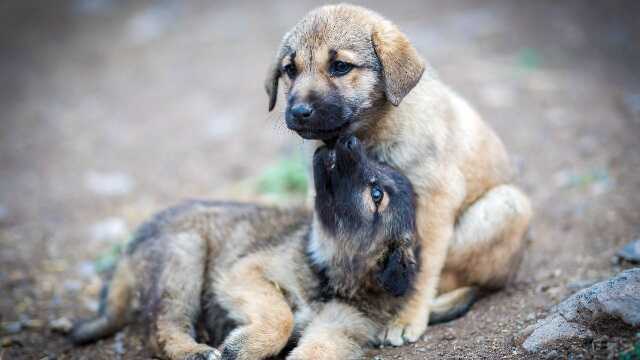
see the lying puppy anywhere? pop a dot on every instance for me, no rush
(331, 280)
(346, 69)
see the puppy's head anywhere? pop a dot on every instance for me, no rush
(338, 66)
(369, 208)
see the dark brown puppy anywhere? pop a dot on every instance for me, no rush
(332, 280)
(346, 69)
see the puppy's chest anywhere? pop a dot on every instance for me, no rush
(358, 292)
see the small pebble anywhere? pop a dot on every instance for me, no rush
(554, 291)
(61, 325)
(118, 344)
(630, 252)
(8, 341)
(13, 327)
(32, 323)
(449, 336)
(72, 286)
(50, 356)
(542, 288)
(91, 305)
(109, 184)
(109, 229)
(86, 269)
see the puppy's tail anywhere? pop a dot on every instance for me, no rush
(452, 305)
(115, 311)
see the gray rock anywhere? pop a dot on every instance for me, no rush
(618, 298)
(555, 331)
(630, 252)
(573, 320)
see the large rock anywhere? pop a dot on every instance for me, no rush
(574, 320)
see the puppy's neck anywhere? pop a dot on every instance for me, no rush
(321, 246)
(390, 123)
(345, 269)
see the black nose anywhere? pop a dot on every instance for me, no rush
(301, 111)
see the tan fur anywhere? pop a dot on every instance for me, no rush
(335, 333)
(471, 219)
(260, 304)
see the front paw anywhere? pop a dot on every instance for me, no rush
(247, 343)
(399, 333)
(235, 345)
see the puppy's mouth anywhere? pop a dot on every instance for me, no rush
(327, 135)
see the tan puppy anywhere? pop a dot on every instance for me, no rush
(346, 69)
(330, 283)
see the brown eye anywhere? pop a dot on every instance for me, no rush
(290, 70)
(339, 68)
(377, 194)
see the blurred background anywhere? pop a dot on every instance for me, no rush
(111, 110)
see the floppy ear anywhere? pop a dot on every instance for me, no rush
(402, 66)
(398, 270)
(271, 83)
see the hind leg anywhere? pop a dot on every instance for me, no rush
(488, 241)
(177, 299)
(259, 306)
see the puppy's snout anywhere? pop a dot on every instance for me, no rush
(302, 111)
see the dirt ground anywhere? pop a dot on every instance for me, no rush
(112, 111)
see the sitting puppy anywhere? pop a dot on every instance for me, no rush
(330, 280)
(348, 70)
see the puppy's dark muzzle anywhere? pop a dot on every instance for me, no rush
(316, 121)
(316, 133)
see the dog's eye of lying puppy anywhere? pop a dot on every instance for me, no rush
(377, 194)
